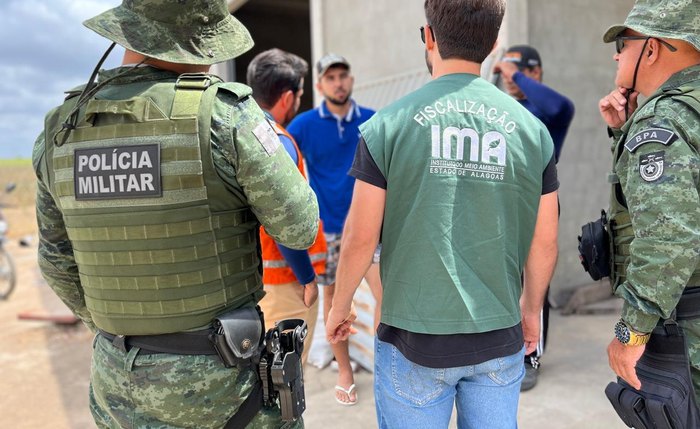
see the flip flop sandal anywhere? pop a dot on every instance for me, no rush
(349, 391)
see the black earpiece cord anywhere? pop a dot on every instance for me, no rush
(634, 80)
(88, 92)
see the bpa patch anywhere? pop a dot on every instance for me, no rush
(651, 135)
(651, 166)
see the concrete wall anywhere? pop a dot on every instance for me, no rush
(577, 63)
(381, 40)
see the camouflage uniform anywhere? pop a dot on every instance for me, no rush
(136, 389)
(657, 155)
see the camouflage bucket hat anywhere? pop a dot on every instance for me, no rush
(666, 19)
(183, 31)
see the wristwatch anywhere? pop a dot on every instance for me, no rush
(628, 336)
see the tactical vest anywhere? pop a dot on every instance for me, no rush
(161, 244)
(619, 220)
(276, 270)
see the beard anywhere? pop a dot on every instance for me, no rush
(339, 101)
(289, 116)
(428, 63)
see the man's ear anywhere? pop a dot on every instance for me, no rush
(652, 51)
(287, 99)
(429, 38)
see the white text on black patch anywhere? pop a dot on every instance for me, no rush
(117, 172)
(650, 135)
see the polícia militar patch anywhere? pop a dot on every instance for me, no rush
(650, 135)
(651, 166)
(117, 172)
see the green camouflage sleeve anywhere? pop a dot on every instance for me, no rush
(660, 182)
(56, 259)
(277, 193)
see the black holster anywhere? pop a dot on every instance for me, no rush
(667, 397)
(280, 368)
(275, 356)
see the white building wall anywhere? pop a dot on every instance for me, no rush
(379, 38)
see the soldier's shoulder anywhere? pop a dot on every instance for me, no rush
(74, 92)
(655, 130)
(657, 122)
(238, 90)
(38, 151)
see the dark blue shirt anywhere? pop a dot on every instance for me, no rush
(553, 109)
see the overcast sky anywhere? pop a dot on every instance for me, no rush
(44, 51)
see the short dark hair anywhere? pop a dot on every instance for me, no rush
(465, 29)
(273, 72)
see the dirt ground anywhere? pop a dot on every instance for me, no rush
(36, 380)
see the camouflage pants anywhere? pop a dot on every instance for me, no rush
(132, 390)
(691, 329)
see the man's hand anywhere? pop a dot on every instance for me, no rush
(310, 293)
(623, 359)
(506, 68)
(339, 324)
(612, 107)
(531, 330)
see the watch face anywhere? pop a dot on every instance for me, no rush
(622, 332)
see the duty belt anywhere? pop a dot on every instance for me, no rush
(180, 343)
(689, 305)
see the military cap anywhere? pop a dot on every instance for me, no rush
(669, 19)
(184, 32)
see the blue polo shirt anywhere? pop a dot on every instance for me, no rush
(328, 144)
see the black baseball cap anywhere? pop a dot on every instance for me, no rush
(523, 56)
(330, 60)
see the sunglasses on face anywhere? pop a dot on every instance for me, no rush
(620, 42)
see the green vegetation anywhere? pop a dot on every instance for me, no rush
(17, 162)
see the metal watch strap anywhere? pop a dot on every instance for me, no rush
(629, 337)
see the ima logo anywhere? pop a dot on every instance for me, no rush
(487, 149)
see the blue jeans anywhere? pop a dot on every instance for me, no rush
(486, 395)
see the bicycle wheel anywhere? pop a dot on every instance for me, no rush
(7, 274)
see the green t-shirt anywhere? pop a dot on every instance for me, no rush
(463, 163)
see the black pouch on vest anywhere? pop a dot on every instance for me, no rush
(594, 248)
(667, 398)
(237, 336)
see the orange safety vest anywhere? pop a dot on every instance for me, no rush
(275, 268)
